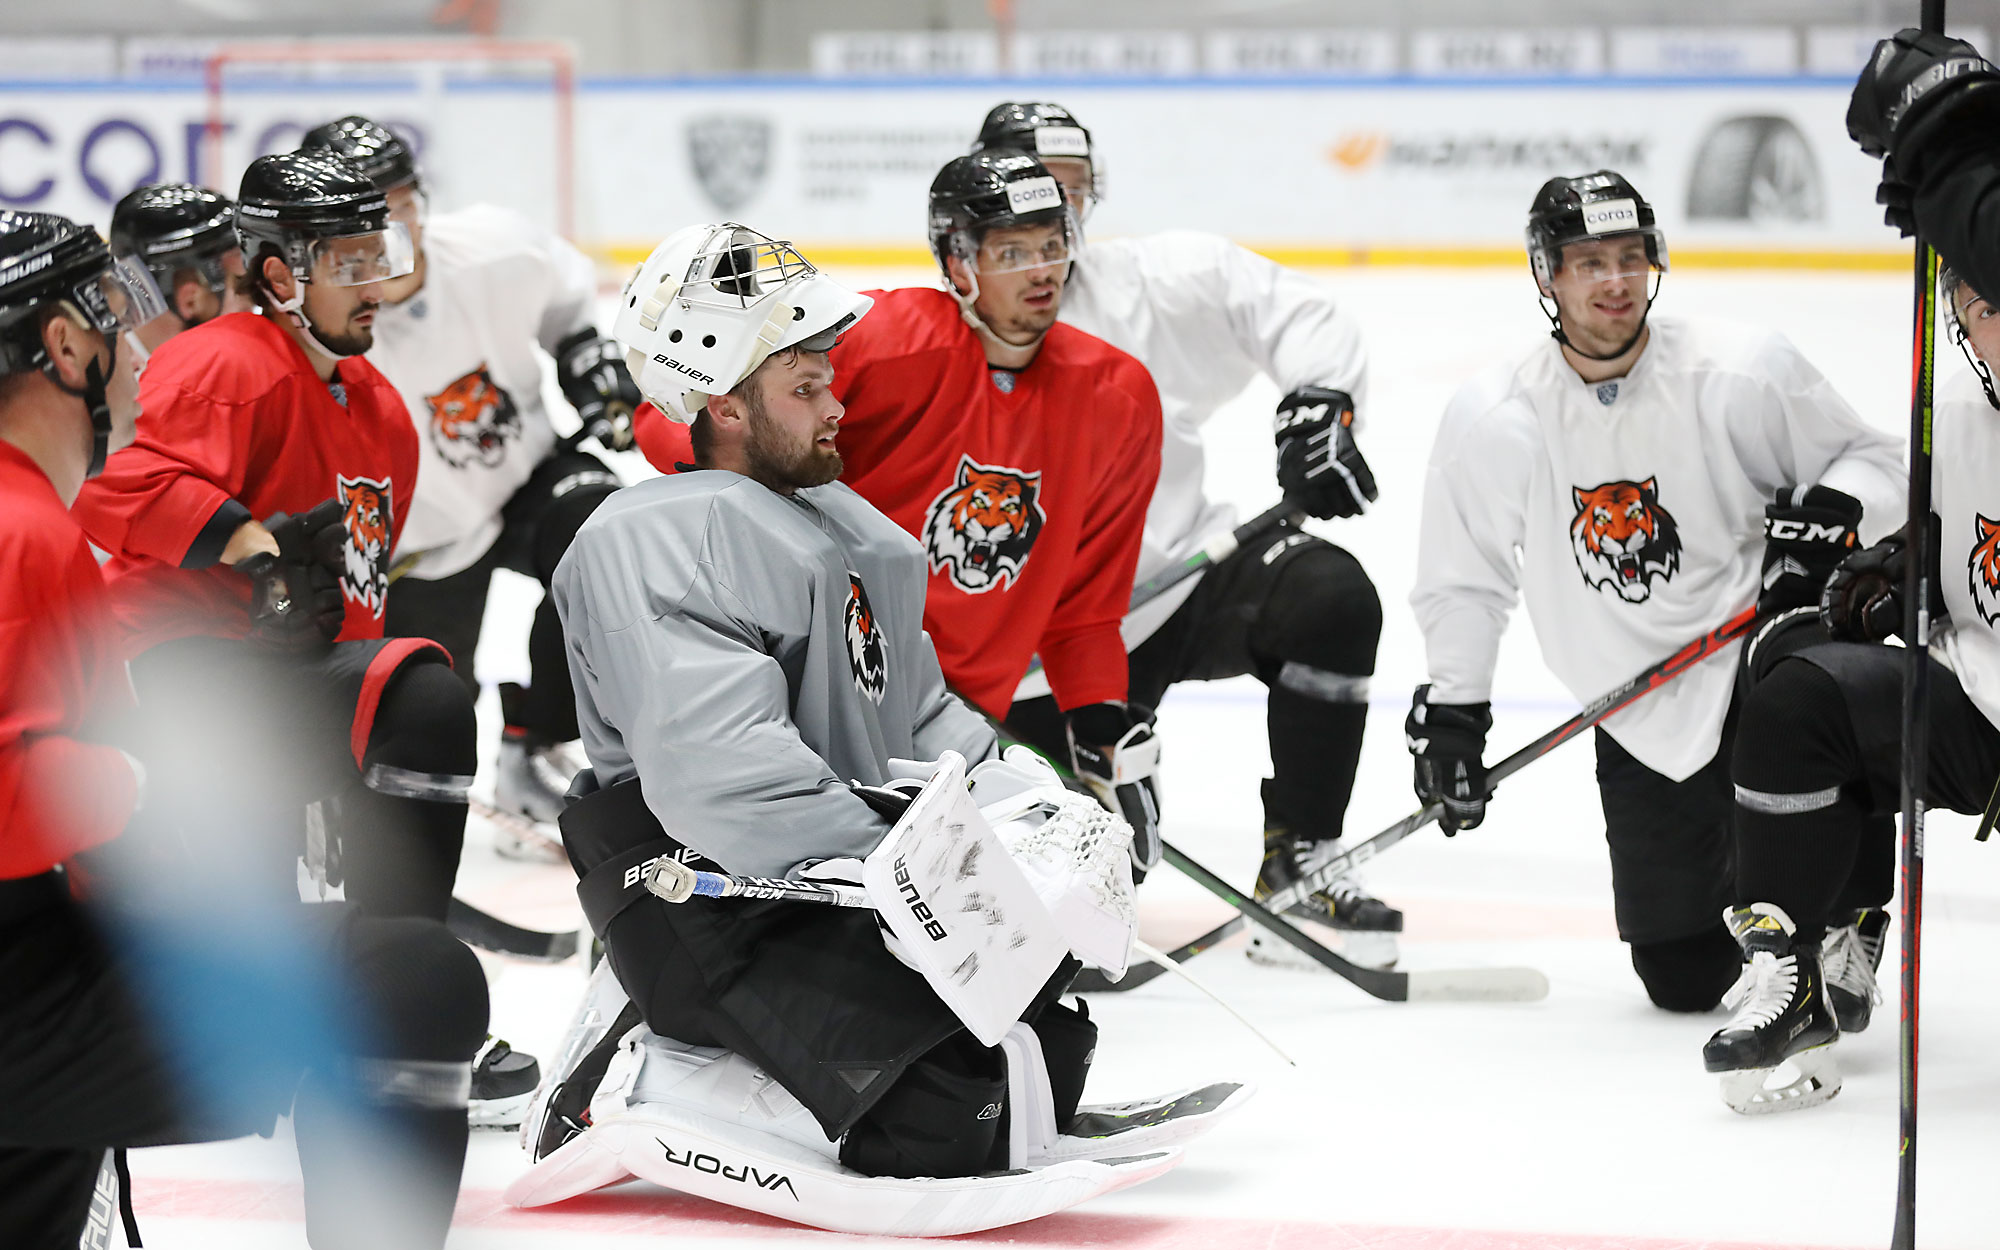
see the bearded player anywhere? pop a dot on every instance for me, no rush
(1205, 317)
(462, 336)
(1642, 480)
(273, 414)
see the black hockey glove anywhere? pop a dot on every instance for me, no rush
(597, 384)
(1808, 531)
(1112, 749)
(1863, 600)
(295, 599)
(1448, 740)
(1319, 467)
(1919, 92)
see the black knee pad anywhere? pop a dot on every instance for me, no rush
(1069, 1043)
(1322, 611)
(425, 723)
(1690, 973)
(422, 992)
(575, 494)
(941, 1118)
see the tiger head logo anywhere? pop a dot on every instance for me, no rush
(1984, 574)
(472, 420)
(865, 652)
(365, 512)
(1624, 539)
(982, 528)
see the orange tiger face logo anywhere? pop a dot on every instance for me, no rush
(865, 652)
(365, 511)
(472, 420)
(1984, 573)
(1623, 539)
(981, 529)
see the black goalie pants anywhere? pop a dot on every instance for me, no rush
(538, 523)
(1299, 614)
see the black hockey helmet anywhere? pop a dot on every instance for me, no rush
(1590, 206)
(295, 202)
(372, 148)
(987, 190)
(1047, 130)
(175, 227)
(48, 260)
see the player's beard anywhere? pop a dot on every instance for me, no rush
(352, 341)
(780, 460)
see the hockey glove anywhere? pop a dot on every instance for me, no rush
(597, 384)
(1112, 750)
(1919, 90)
(1319, 467)
(1863, 600)
(1808, 531)
(295, 599)
(1448, 740)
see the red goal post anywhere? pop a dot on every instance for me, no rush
(322, 79)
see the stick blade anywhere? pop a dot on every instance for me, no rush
(1478, 985)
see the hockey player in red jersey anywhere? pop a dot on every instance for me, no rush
(185, 236)
(273, 414)
(108, 1040)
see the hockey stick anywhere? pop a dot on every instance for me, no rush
(1916, 704)
(490, 933)
(1596, 711)
(1156, 958)
(675, 882)
(1093, 981)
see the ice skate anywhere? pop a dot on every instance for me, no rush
(1850, 955)
(1776, 1052)
(503, 1084)
(1366, 926)
(533, 776)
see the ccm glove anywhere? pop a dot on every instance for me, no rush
(1919, 91)
(1808, 531)
(1319, 467)
(1448, 740)
(1863, 600)
(295, 599)
(597, 384)
(1113, 751)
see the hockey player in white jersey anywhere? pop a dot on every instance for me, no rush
(462, 338)
(753, 679)
(1206, 317)
(1630, 476)
(1817, 759)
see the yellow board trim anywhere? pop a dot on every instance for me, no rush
(624, 256)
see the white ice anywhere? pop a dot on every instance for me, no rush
(1583, 1122)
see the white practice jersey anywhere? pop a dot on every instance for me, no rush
(1965, 494)
(465, 352)
(1631, 513)
(1205, 317)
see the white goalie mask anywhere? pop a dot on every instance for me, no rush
(711, 302)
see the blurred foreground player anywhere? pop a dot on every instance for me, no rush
(1205, 317)
(185, 236)
(171, 1003)
(1631, 476)
(1818, 756)
(272, 414)
(462, 337)
(747, 647)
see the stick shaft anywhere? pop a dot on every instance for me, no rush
(1218, 550)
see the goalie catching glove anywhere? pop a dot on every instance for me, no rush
(1113, 751)
(594, 379)
(295, 599)
(1319, 467)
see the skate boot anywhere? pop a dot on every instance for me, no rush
(533, 776)
(503, 1084)
(1366, 925)
(1851, 954)
(1782, 1019)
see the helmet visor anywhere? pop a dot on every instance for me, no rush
(1012, 249)
(1612, 257)
(358, 259)
(121, 297)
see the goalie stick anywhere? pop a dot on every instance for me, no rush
(1093, 980)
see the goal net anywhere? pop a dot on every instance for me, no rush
(490, 121)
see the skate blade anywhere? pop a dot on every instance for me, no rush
(499, 1112)
(1761, 1091)
(1380, 951)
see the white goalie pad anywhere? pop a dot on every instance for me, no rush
(966, 916)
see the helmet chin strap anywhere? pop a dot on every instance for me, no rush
(1981, 368)
(1554, 313)
(295, 309)
(95, 401)
(971, 316)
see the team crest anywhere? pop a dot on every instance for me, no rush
(1984, 573)
(981, 530)
(1624, 539)
(472, 421)
(865, 652)
(365, 512)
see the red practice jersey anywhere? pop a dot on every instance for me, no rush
(60, 671)
(232, 411)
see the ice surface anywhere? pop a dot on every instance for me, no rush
(1581, 1123)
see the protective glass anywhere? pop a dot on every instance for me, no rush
(1013, 250)
(358, 259)
(1613, 257)
(121, 297)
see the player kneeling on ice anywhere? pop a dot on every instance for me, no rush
(1640, 480)
(752, 677)
(1816, 764)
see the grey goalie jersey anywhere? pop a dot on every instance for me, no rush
(749, 656)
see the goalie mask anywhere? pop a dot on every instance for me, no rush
(712, 302)
(1596, 206)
